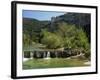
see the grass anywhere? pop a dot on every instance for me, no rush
(53, 63)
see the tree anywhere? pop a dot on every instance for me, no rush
(51, 40)
(26, 40)
(74, 37)
(68, 33)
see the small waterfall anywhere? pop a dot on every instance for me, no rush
(31, 55)
(48, 55)
(56, 54)
(44, 54)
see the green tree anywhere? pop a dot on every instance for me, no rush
(68, 34)
(74, 37)
(51, 40)
(26, 40)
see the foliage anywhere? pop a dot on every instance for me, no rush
(74, 38)
(26, 40)
(51, 40)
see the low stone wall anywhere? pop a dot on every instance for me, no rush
(45, 54)
(53, 54)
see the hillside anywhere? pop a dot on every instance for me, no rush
(33, 27)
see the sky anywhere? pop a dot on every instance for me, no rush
(40, 15)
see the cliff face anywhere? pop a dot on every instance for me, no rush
(79, 19)
(75, 18)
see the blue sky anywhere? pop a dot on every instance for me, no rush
(40, 15)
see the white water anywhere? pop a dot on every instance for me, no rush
(25, 59)
(87, 63)
(31, 55)
(48, 55)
